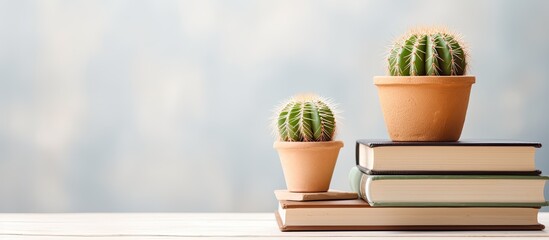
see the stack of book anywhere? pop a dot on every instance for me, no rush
(465, 185)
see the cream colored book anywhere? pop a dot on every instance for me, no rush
(358, 215)
(450, 190)
(499, 157)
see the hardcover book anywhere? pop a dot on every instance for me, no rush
(443, 158)
(449, 190)
(356, 214)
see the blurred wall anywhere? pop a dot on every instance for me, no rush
(165, 105)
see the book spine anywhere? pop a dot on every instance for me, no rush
(357, 152)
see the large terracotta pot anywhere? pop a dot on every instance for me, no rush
(308, 166)
(424, 108)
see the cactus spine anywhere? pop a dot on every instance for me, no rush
(306, 118)
(429, 52)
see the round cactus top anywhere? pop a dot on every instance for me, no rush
(428, 51)
(305, 118)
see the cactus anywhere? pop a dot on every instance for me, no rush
(428, 52)
(306, 118)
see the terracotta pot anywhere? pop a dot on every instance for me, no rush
(308, 166)
(424, 108)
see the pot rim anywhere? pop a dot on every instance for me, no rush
(307, 145)
(424, 80)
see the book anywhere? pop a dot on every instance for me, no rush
(356, 214)
(463, 157)
(314, 196)
(449, 190)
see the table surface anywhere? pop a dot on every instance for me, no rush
(194, 225)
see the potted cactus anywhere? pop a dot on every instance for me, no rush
(425, 97)
(305, 126)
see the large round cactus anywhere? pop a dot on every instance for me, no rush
(432, 51)
(306, 118)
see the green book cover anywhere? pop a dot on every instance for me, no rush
(357, 179)
(400, 177)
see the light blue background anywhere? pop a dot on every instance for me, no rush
(165, 105)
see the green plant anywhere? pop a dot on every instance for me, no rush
(305, 118)
(428, 51)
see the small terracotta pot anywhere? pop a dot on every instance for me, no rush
(308, 166)
(424, 108)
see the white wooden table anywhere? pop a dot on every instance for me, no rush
(196, 225)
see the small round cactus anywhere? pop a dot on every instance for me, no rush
(428, 52)
(306, 118)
